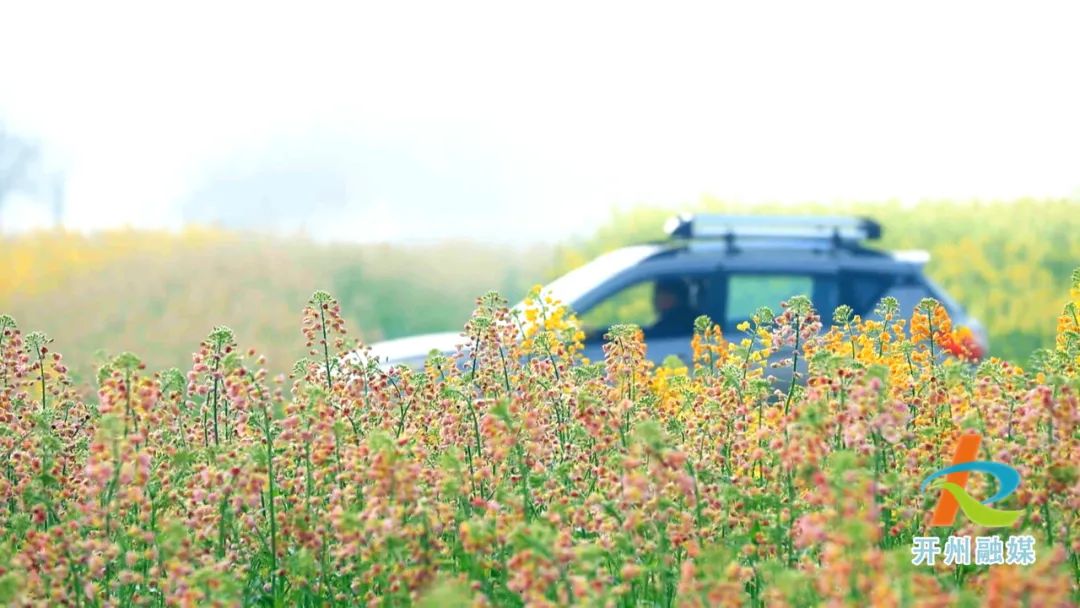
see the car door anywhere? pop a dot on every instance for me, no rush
(744, 291)
(632, 302)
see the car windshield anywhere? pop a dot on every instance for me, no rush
(570, 287)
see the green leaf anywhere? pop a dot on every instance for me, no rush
(447, 593)
(650, 433)
(10, 584)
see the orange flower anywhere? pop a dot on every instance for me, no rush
(961, 343)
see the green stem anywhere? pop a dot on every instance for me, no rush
(269, 437)
(475, 355)
(933, 352)
(41, 366)
(794, 367)
(326, 352)
(745, 368)
(403, 411)
(222, 520)
(337, 456)
(526, 499)
(475, 425)
(214, 394)
(130, 411)
(506, 373)
(3, 368)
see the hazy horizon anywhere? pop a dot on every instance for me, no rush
(416, 122)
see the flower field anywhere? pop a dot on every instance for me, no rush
(518, 474)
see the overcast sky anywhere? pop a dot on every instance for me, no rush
(399, 120)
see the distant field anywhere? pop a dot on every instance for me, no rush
(107, 293)
(156, 293)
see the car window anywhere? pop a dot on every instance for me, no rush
(863, 290)
(634, 304)
(630, 305)
(747, 292)
(572, 285)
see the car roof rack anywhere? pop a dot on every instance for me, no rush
(839, 231)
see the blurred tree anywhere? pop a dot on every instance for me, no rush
(18, 159)
(56, 198)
